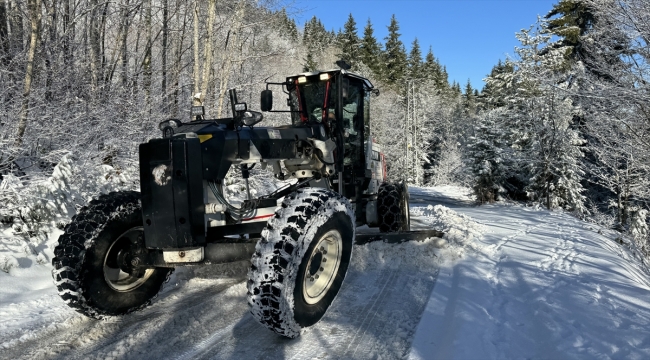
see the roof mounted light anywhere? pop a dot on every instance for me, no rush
(197, 111)
(302, 80)
(324, 76)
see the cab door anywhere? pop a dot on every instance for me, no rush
(353, 119)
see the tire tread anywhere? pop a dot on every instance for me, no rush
(280, 244)
(77, 238)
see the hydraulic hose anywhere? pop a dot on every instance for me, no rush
(235, 212)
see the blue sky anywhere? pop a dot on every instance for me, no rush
(467, 36)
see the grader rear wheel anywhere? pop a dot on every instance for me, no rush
(94, 260)
(393, 207)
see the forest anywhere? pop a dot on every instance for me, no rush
(561, 124)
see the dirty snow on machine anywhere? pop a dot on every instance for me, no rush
(118, 251)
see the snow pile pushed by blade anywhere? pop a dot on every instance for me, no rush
(460, 233)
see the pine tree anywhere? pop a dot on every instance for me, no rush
(435, 73)
(349, 43)
(538, 118)
(415, 61)
(431, 67)
(310, 63)
(338, 37)
(498, 86)
(394, 54)
(332, 35)
(469, 90)
(469, 100)
(315, 39)
(485, 158)
(443, 80)
(289, 25)
(574, 21)
(455, 88)
(555, 172)
(370, 50)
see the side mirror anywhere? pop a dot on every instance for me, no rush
(250, 118)
(266, 100)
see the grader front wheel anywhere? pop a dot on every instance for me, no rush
(301, 260)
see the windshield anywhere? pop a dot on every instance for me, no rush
(312, 97)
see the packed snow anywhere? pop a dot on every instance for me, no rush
(537, 284)
(507, 281)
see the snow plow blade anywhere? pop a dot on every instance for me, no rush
(398, 237)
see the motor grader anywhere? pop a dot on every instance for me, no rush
(117, 252)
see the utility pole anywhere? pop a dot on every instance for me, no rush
(406, 132)
(416, 125)
(411, 162)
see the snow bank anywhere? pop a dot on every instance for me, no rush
(33, 212)
(414, 255)
(461, 233)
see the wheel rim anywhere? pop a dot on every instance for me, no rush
(114, 276)
(323, 265)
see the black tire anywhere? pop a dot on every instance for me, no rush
(85, 271)
(301, 261)
(393, 207)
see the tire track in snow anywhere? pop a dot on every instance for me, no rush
(380, 300)
(174, 327)
(375, 316)
(356, 320)
(87, 338)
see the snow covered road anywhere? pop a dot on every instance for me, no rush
(203, 314)
(513, 282)
(538, 284)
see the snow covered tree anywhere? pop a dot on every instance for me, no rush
(469, 100)
(455, 89)
(570, 20)
(414, 61)
(484, 155)
(316, 39)
(639, 230)
(498, 90)
(349, 43)
(538, 117)
(371, 50)
(394, 54)
(431, 66)
(310, 63)
(289, 24)
(603, 40)
(555, 172)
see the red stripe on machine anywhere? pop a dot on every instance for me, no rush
(258, 217)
